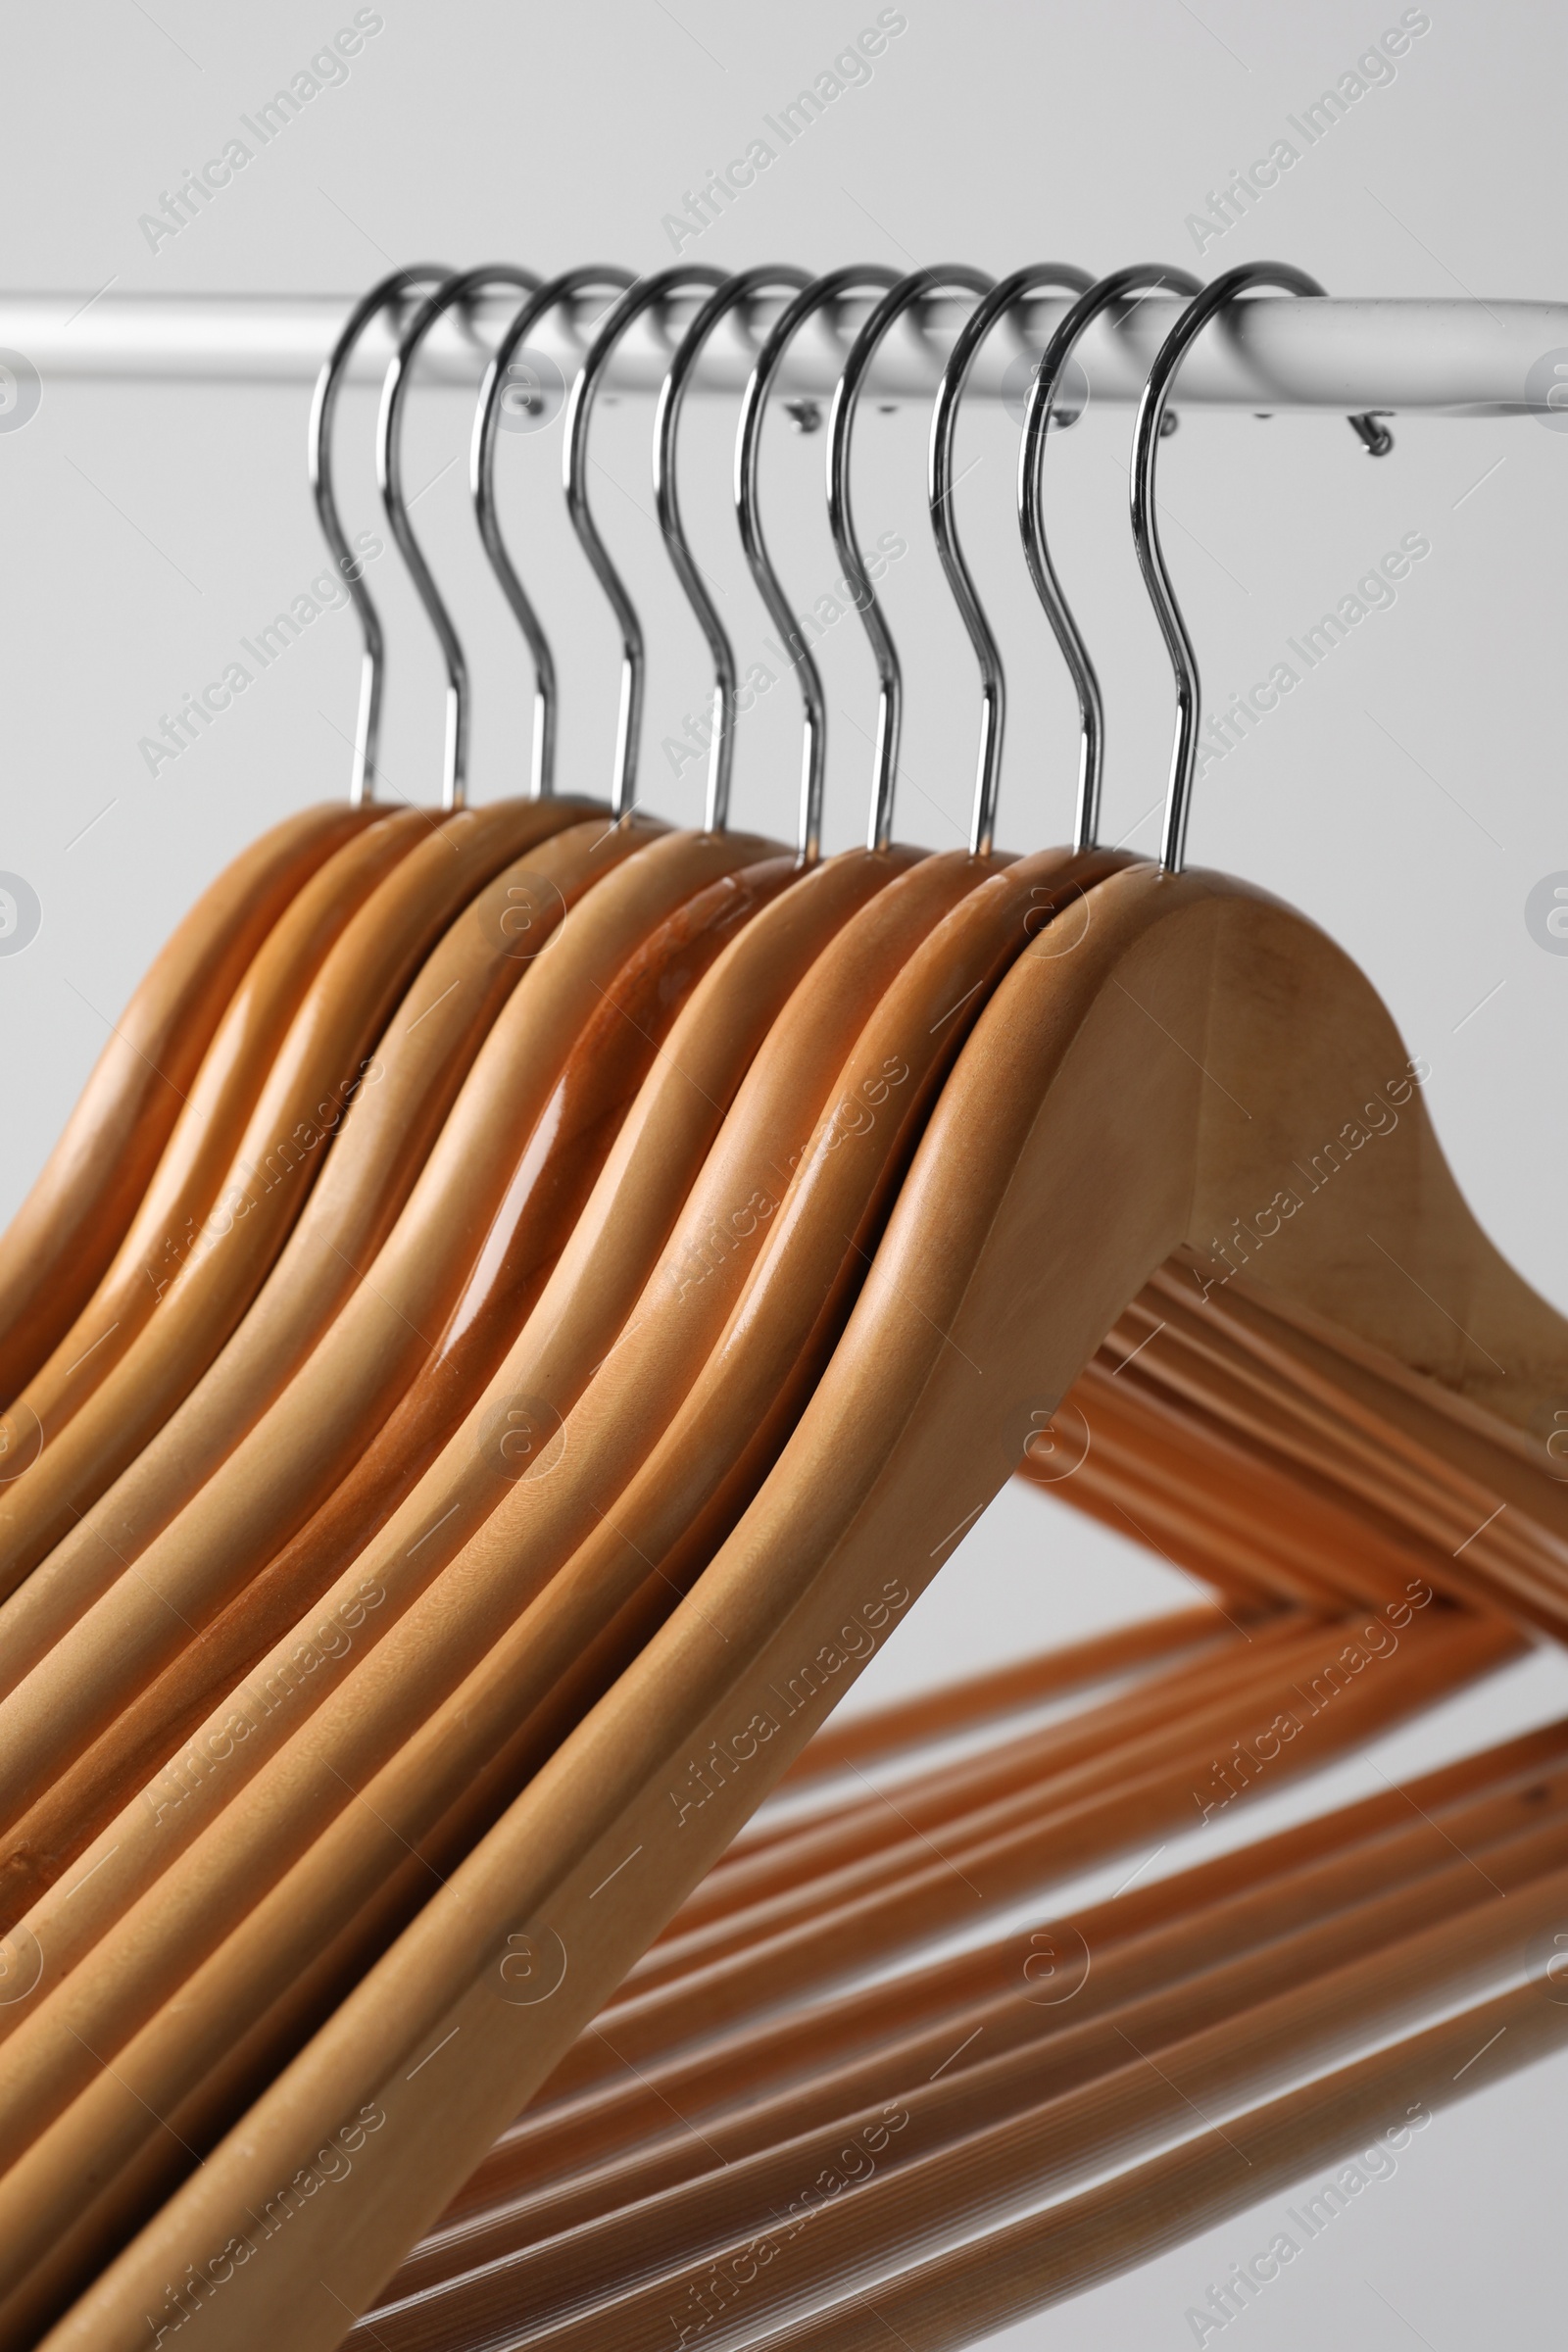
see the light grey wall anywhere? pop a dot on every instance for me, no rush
(1408, 795)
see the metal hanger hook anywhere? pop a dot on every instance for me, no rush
(1001, 300)
(384, 295)
(1038, 411)
(1146, 531)
(389, 473)
(739, 290)
(643, 296)
(902, 297)
(823, 293)
(487, 420)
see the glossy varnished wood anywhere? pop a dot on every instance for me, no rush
(60, 1240)
(420, 1062)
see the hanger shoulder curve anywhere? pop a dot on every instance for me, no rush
(318, 1065)
(1086, 1080)
(332, 1407)
(421, 1063)
(62, 1238)
(222, 1093)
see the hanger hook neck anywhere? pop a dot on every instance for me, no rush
(1145, 530)
(389, 473)
(643, 296)
(490, 414)
(386, 294)
(821, 294)
(1039, 408)
(902, 297)
(999, 302)
(739, 291)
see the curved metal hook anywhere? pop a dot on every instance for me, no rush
(640, 298)
(944, 426)
(671, 399)
(481, 481)
(1100, 297)
(1146, 533)
(815, 297)
(900, 298)
(323, 409)
(389, 473)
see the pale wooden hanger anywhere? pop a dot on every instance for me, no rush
(617, 1238)
(1032, 906)
(596, 2099)
(245, 1513)
(60, 1240)
(338, 1027)
(223, 1096)
(1076, 1280)
(104, 1158)
(1081, 1092)
(340, 1230)
(580, 2155)
(420, 1062)
(54, 1701)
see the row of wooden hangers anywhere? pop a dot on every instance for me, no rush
(668, 2187)
(527, 1300)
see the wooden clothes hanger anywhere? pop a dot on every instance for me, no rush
(185, 1185)
(345, 1219)
(60, 1240)
(96, 1176)
(922, 288)
(1087, 1010)
(51, 1700)
(967, 880)
(766, 1124)
(368, 1349)
(420, 1062)
(339, 1017)
(1079, 1099)
(596, 2109)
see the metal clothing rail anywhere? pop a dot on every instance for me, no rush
(1269, 355)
